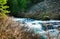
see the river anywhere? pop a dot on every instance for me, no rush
(39, 26)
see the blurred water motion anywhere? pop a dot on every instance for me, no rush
(51, 27)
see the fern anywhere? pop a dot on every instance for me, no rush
(3, 8)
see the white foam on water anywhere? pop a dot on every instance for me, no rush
(38, 27)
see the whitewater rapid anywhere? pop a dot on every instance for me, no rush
(36, 25)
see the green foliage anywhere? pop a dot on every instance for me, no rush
(23, 4)
(14, 6)
(3, 8)
(17, 6)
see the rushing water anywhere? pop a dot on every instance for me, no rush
(39, 27)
